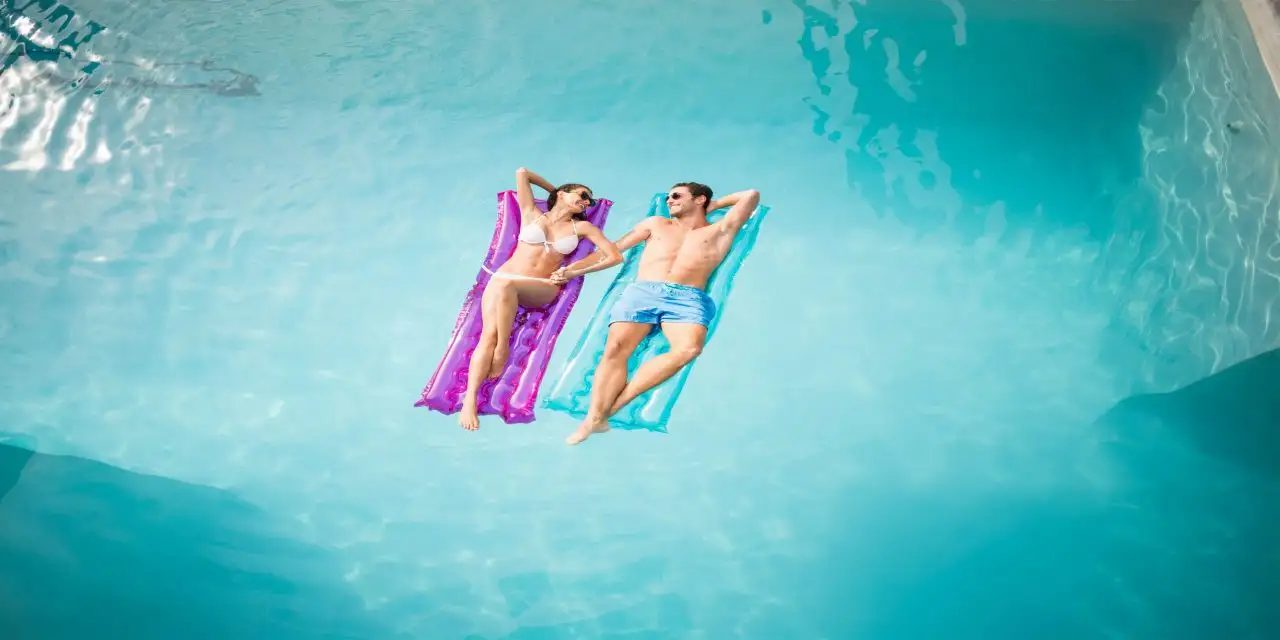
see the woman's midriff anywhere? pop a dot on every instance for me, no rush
(532, 261)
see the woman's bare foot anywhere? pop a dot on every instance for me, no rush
(589, 426)
(499, 362)
(469, 418)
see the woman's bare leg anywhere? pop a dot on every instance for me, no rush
(530, 293)
(498, 308)
(469, 417)
(504, 313)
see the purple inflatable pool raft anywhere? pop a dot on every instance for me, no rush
(512, 395)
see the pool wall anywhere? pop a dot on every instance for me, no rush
(225, 308)
(1195, 261)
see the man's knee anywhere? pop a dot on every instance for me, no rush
(688, 352)
(619, 346)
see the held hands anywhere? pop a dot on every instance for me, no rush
(562, 276)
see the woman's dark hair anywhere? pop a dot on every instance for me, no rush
(555, 195)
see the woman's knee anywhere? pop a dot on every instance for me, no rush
(500, 288)
(498, 295)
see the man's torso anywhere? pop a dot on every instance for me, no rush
(687, 257)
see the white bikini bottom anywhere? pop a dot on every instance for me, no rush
(514, 276)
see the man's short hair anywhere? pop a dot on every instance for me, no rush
(697, 189)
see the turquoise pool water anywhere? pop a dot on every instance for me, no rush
(234, 239)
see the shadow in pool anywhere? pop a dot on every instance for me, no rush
(90, 550)
(1191, 562)
(1233, 415)
(1168, 531)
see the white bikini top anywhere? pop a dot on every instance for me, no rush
(533, 233)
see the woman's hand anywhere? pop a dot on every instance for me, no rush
(535, 179)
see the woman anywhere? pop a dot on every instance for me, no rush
(546, 240)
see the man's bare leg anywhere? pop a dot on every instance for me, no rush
(610, 377)
(686, 344)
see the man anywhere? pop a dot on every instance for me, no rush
(679, 256)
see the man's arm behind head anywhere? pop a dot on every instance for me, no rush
(742, 203)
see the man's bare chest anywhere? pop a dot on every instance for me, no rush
(673, 238)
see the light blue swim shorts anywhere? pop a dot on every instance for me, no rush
(651, 302)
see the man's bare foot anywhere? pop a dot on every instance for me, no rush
(469, 418)
(499, 362)
(589, 426)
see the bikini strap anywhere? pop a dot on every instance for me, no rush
(574, 222)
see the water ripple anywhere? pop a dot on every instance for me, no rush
(1205, 278)
(245, 293)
